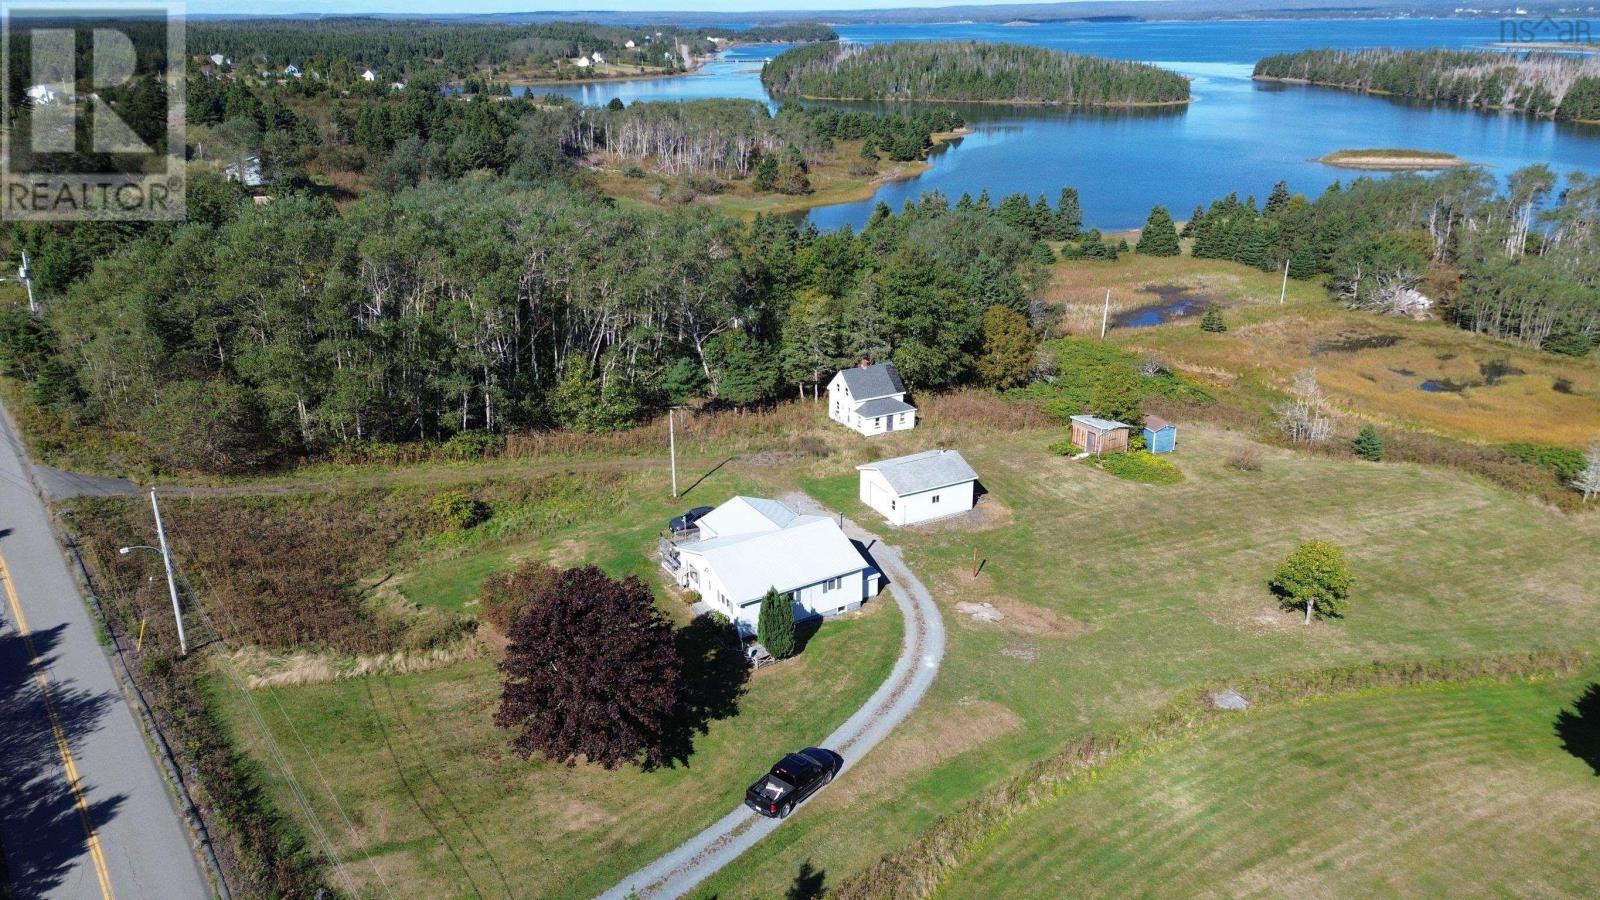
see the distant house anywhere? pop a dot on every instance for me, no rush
(247, 172)
(291, 71)
(1160, 436)
(750, 545)
(582, 62)
(217, 59)
(42, 94)
(870, 399)
(597, 57)
(920, 487)
(369, 75)
(630, 45)
(397, 85)
(1098, 435)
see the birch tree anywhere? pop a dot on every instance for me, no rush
(1588, 480)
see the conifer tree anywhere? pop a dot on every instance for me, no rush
(1368, 445)
(1194, 221)
(1069, 216)
(1212, 320)
(1303, 264)
(1160, 236)
(775, 624)
(1279, 197)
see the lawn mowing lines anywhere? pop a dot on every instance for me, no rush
(1396, 730)
(433, 779)
(282, 765)
(411, 793)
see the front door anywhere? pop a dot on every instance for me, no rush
(891, 424)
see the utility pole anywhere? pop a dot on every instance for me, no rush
(1105, 315)
(172, 584)
(672, 447)
(1284, 292)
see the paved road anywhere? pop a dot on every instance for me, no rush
(84, 810)
(921, 651)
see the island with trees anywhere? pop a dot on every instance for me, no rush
(1546, 85)
(969, 72)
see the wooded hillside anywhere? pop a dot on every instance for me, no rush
(968, 71)
(1549, 85)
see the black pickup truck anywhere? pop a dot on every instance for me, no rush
(795, 777)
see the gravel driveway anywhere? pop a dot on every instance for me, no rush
(921, 650)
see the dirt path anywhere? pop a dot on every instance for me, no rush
(921, 651)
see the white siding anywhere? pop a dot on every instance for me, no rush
(846, 593)
(913, 508)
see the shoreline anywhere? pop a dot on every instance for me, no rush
(1131, 105)
(1398, 163)
(1430, 101)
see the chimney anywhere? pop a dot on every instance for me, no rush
(864, 363)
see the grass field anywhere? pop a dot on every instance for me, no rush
(1441, 791)
(437, 805)
(1373, 366)
(1117, 595)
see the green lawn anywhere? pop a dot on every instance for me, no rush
(438, 806)
(1118, 595)
(1441, 791)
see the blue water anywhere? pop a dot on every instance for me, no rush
(1237, 136)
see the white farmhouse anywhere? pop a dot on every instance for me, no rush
(369, 75)
(750, 545)
(630, 44)
(597, 57)
(870, 399)
(291, 71)
(920, 487)
(581, 62)
(42, 94)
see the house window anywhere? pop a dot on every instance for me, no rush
(832, 584)
(877, 422)
(936, 498)
(891, 504)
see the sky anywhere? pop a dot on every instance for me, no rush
(289, 7)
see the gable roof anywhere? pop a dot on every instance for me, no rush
(809, 550)
(867, 382)
(883, 406)
(1099, 424)
(923, 471)
(746, 515)
(1156, 423)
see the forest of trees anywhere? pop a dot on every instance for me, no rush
(340, 48)
(730, 137)
(968, 71)
(1522, 263)
(1550, 85)
(255, 333)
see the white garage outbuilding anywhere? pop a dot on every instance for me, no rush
(920, 487)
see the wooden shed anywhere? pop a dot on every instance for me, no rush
(1098, 435)
(1160, 436)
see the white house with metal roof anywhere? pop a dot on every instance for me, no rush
(871, 399)
(750, 545)
(920, 487)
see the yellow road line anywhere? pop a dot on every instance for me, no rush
(60, 734)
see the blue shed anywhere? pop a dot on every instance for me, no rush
(1160, 436)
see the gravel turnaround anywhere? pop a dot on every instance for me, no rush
(922, 649)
